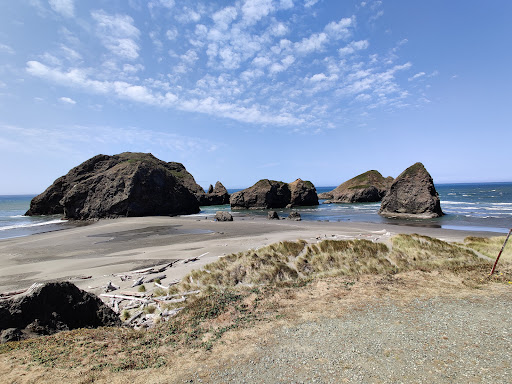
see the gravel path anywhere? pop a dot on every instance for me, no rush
(440, 340)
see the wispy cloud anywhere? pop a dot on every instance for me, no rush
(64, 7)
(118, 34)
(67, 100)
(4, 48)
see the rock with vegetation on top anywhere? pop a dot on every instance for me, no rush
(302, 193)
(264, 194)
(128, 184)
(215, 196)
(412, 195)
(51, 308)
(223, 216)
(367, 187)
(267, 194)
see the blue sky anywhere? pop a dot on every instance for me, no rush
(243, 90)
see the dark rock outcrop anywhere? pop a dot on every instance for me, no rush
(294, 215)
(267, 194)
(52, 308)
(302, 193)
(412, 195)
(128, 184)
(215, 196)
(367, 187)
(272, 215)
(223, 216)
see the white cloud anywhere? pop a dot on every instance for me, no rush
(118, 34)
(286, 4)
(340, 29)
(64, 7)
(417, 76)
(315, 42)
(310, 3)
(224, 17)
(67, 100)
(353, 47)
(6, 49)
(254, 10)
(188, 16)
(172, 33)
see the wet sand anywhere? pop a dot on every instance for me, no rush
(112, 247)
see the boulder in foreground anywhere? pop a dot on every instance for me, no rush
(367, 187)
(51, 308)
(412, 195)
(267, 194)
(223, 216)
(128, 184)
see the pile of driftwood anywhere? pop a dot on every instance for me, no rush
(143, 308)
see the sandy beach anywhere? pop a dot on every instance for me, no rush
(92, 255)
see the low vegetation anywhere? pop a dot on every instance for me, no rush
(491, 246)
(247, 288)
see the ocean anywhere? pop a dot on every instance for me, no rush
(478, 207)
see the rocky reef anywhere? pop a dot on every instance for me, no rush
(412, 195)
(266, 194)
(367, 187)
(128, 184)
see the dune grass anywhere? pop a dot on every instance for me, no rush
(491, 246)
(295, 261)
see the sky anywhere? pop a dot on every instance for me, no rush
(243, 90)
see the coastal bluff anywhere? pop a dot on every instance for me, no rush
(127, 184)
(367, 187)
(267, 194)
(412, 195)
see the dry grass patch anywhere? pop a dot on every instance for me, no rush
(491, 246)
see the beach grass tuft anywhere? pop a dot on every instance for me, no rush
(491, 246)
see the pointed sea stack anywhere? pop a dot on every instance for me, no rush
(367, 187)
(412, 195)
(215, 196)
(128, 184)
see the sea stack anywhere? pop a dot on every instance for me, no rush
(367, 187)
(217, 195)
(412, 195)
(267, 194)
(128, 184)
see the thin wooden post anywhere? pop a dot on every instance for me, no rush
(499, 254)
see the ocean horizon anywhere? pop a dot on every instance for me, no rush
(467, 206)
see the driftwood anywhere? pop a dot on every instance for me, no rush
(135, 316)
(139, 281)
(142, 299)
(160, 277)
(111, 287)
(192, 259)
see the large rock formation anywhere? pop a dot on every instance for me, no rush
(51, 308)
(302, 193)
(215, 196)
(266, 194)
(412, 195)
(128, 184)
(367, 187)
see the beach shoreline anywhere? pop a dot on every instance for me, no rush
(90, 256)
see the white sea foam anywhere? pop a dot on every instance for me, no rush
(29, 225)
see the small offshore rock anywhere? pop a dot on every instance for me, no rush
(272, 215)
(223, 216)
(294, 215)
